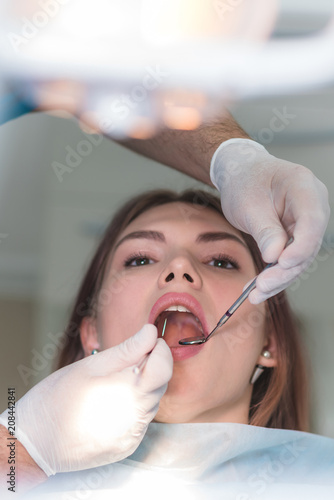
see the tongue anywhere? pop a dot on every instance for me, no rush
(179, 325)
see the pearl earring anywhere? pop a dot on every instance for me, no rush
(95, 351)
(259, 369)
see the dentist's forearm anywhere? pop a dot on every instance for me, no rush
(189, 151)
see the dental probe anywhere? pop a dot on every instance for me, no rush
(138, 368)
(230, 310)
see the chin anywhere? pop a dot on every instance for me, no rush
(186, 384)
(178, 409)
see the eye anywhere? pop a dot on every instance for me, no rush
(223, 262)
(137, 260)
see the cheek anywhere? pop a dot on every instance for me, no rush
(225, 288)
(120, 311)
(242, 337)
(234, 353)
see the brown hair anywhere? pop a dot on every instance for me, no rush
(279, 398)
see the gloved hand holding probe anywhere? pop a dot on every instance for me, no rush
(273, 200)
(95, 411)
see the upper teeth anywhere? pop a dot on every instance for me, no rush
(178, 308)
(181, 309)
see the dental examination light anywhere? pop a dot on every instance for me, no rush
(131, 67)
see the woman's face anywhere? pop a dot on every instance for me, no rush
(185, 255)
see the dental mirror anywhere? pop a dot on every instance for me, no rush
(226, 316)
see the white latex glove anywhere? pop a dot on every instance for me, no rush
(271, 199)
(96, 410)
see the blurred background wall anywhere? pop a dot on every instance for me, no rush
(49, 226)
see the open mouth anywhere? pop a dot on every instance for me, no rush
(181, 323)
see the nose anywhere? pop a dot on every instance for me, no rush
(180, 270)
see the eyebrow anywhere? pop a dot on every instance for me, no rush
(219, 236)
(201, 238)
(148, 235)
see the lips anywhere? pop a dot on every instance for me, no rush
(185, 318)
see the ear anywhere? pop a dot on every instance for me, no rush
(88, 335)
(269, 344)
